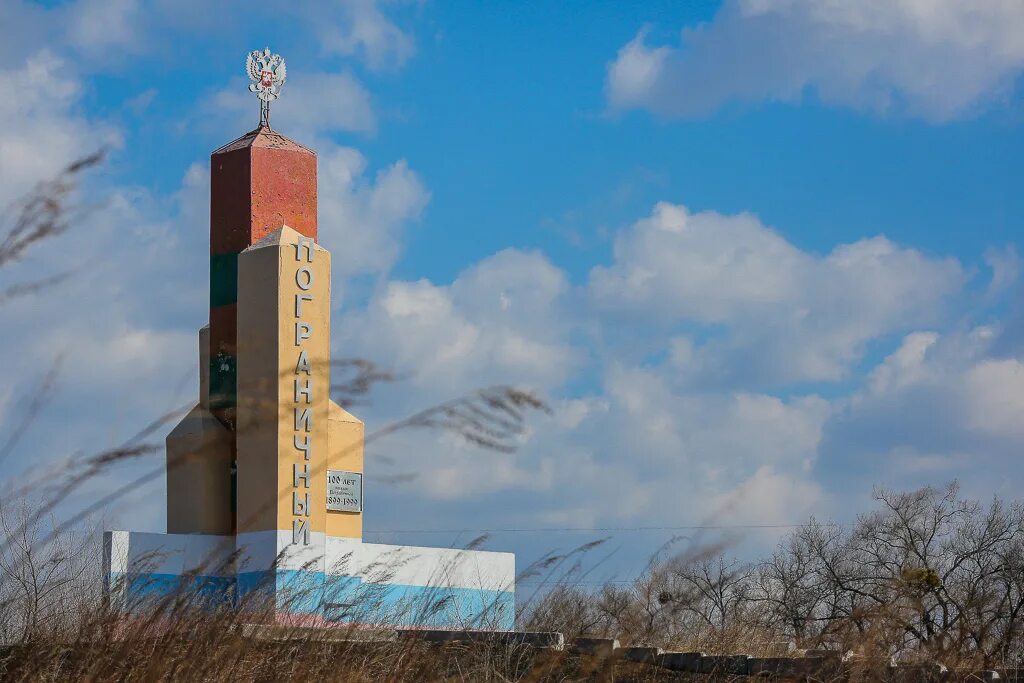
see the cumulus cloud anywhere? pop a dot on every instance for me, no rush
(125, 326)
(662, 453)
(934, 59)
(688, 434)
(940, 406)
(714, 434)
(361, 28)
(41, 107)
(317, 105)
(500, 321)
(770, 497)
(362, 219)
(783, 314)
(1005, 265)
(98, 26)
(504, 320)
(636, 452)
(994, 398)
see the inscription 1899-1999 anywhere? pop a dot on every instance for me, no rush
(344, 491)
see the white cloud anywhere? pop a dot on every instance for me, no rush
(502, 321)
(711, 432)
(692, 436)
(133, 305)
(125, 324)
(994, 398)
(643, 452)
(941, 406)
(362, 220)
(498, 322)
(313, 105)
(904, 366)
(362, 29)
(1005, 265)
(635, 72)
(41, 106)
(935, 59)
(703, 266)
(787, 315)
(770, 497)
(105, 31)
(98, 26)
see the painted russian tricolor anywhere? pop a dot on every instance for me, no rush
(264, 475)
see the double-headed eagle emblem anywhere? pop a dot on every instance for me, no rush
(267, 73)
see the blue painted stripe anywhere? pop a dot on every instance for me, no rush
(336, 598)
(146, 590)
(421, 606)
(294, 591)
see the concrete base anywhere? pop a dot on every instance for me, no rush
(350, 583)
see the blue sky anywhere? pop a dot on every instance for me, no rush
(759, 255)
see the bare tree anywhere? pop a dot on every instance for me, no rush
(47, 579)
(713, 589)
(928, 573)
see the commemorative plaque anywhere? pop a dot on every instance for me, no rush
(344, 491)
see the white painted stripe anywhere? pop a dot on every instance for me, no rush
(257, 551)
(115, 551)
(176, 554)
(415, 566)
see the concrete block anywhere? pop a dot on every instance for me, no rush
(642, 655)
(595, 647)
(790, 667)
(974, 676)
(725, 664)
(840, 655)
(541, 640)
(688, 662)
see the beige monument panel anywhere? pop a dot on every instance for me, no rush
(199, 465)
(199, 475)
(344, 452)
(257, 390)
(316, 314)
(268, 354)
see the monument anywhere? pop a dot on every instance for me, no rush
(265, 494)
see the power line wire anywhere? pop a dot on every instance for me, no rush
(691, 527)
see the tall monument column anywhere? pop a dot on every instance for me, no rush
(265, 473)
(284, 308)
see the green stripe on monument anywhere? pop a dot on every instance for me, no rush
(223, 381)
(223, 279)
